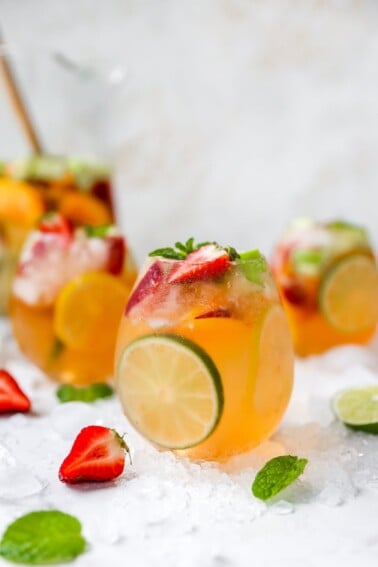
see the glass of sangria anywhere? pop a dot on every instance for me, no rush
(67, 298)
(204, 358)
(328, 280)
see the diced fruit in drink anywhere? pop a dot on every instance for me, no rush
(148, 285)
(117, 252)
(170, 390)
(54, 223)
(12, 398)
(358, 408)
(221, 312)
(97, 455)
(88, 310)
(82, 208)
(19, 202)
(348, 296)
(204, 263)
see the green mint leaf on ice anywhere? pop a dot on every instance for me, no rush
(277, 474)
(180, 250)
(253, 265)
(88, 394)
(43, 538)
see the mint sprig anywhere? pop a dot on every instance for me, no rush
(181, 250)
(253, 264)
(87, 394)
(98, 231)
(43, 537)
(277, 474)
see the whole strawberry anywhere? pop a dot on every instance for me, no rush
(12, 398)
(97, 455)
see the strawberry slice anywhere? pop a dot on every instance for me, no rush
(147, 285)
(117, 252)
(97, 455)
(205, 263)
(55, 223)
(221, 312)
(12, 398)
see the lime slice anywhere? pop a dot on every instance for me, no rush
(170, 390)
(358, 408)
(348, 296)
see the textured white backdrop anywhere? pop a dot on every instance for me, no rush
(237, 114)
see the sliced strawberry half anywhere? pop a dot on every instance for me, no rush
(55, 223)
(117, 252)
(205, 263)
(12, 398)
(97, 455)
(147, 285)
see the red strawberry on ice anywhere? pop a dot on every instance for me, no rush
(97, 455)
(12, 398)
(205, 263)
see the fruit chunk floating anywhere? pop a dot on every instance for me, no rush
(68, 295)
(328, 279)
(35, 185)
(204, 360)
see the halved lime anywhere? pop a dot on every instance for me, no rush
(348, 296)
(170, 390)
(358, 408)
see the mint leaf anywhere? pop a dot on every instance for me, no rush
(309, 262)
(99, 231)
(253, 265)
(43, 537)
(88, 394)
(180, 251)
(277, 474)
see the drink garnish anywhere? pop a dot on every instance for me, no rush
(43, 537)
(181, 250)
(55, 223)
(12, 398)
(147, 285)
(253, 264)
(277, 474)
(70, 393)
(358, 408)
(97, 455)
(208, 261)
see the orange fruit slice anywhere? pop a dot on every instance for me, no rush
(88, 311)
(19, 202)
(82, 208)
(348, 296)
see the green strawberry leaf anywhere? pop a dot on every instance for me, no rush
(88, 394)
(277, 474)
(253, 265)
(43, 537)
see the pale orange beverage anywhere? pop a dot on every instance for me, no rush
(328, 279)
(204, 359)
(67, 298)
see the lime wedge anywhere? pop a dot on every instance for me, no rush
(170, 390)
(348, 295)
(358, 408)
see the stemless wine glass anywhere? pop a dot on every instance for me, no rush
(204, 358)
(72, 108)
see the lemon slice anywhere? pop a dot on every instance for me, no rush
(170, 390)
(358, 408)
(88, 311)
(348, 296)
